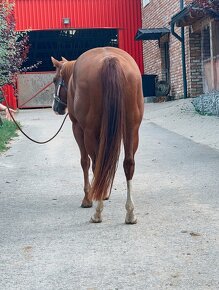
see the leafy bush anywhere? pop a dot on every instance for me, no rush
(14, 45)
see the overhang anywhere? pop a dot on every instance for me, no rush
(194, 12)
(187, 16)
(151, 33)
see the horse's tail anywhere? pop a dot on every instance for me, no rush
(112, 128)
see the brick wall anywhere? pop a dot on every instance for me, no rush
(158, 14)
(195, 77)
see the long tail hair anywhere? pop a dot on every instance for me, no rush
(112, 128)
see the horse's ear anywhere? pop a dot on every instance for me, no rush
(55, 62)
(64, 59)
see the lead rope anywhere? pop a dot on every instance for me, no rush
(31, 139)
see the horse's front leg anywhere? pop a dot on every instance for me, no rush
(97, 217)
(85, 163)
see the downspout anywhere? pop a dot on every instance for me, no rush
(182, 40)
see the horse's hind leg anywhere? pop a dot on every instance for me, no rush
(91, 144)
(131, 145)
(85, 163)
(97, 217)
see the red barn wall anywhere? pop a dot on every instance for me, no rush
(124, 15)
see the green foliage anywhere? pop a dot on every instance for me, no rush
(14, 45)
(7, 132)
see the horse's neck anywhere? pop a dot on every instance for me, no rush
(67, 71)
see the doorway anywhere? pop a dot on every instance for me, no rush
(69, 43)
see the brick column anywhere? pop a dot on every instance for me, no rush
(196, 79)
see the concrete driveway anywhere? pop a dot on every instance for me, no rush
(46, 241)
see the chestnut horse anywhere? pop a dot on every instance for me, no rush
(102, 90)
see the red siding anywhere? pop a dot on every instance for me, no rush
(121, 14)
(10, 95)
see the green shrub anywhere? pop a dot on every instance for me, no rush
(7, 132)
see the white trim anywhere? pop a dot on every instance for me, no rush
(145, 2)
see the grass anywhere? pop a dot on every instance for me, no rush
(7, 132)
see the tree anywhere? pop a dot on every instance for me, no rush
(13, 45)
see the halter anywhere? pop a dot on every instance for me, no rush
(56, 95)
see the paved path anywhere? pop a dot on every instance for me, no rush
(46, 241)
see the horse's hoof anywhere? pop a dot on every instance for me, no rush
(95, 220)
(131, 220)
(86, 204)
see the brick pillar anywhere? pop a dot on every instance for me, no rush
(196, 79)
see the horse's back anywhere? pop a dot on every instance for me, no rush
(92, 60)
(88, 87)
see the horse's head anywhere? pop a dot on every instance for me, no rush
(60, 95)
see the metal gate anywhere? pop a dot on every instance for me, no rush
(35, 90)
